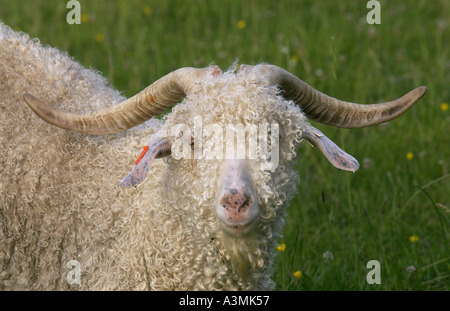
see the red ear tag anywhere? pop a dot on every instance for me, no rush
(142, 154)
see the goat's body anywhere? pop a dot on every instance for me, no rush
(60, 199)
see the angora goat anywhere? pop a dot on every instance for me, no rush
(175, 222)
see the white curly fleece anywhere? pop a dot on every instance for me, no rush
(59, 193)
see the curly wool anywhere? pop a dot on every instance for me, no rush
(60, 199)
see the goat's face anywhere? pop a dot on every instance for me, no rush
(236, 130)
(232, 142)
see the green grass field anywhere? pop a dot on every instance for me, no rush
(396, 208)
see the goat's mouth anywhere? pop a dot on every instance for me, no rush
(238, 229)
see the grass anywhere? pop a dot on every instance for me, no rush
(338, 221)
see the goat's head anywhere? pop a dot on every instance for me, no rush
(251, 95)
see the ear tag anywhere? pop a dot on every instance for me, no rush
(157, 148)
(142, 154)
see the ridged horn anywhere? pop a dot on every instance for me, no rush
(151, 101)
(328, 110)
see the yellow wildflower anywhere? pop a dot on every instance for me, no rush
(100, 37)
(297, 274)
(281, 248)
(444, 106)
(409, 155)
(84, 18)
(147, 11)
(413, 238)
(121, 4)
(241, 24)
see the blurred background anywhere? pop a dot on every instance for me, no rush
(396, 208)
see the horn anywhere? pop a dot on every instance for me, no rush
(328, 110)
(148, 103)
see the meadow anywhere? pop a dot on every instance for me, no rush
(396, 208)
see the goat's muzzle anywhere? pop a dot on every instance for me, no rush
(237, 205)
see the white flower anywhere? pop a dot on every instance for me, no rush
(328, 256)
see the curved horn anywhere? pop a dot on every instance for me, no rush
(328, 110)
(148, 103)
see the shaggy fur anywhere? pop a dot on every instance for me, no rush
(59, 193)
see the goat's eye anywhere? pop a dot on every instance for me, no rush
(192, 143)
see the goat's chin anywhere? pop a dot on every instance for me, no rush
(241, 251)
(238, 229)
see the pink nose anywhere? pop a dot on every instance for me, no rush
(236, 202)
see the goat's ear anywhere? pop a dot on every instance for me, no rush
(158, 148)
(338, 157)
